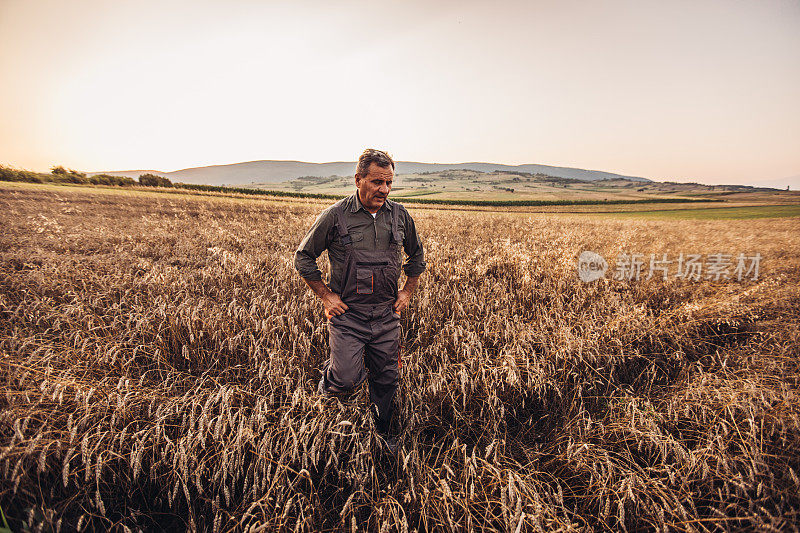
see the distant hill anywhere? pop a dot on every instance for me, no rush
(278, 171)
(457, 184)
(790, 181)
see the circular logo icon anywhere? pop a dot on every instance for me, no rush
(591, 266)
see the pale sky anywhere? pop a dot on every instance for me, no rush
(676, 90)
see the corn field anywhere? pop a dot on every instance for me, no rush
(159, 357)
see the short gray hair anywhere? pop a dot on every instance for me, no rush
(371, 155)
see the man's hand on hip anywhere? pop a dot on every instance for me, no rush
(403, 297)
(334, 305)
(404, 294)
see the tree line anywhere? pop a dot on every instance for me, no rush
(59, 174)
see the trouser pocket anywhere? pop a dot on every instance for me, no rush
(365, 280)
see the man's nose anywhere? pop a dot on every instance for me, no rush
(384, 189)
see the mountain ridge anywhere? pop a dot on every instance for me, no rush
(275, 171)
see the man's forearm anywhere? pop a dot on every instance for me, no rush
(319, 287)
(332, 302)
(411, 284)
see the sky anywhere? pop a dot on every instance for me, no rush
(680, 90)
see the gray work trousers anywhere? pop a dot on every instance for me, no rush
(365, 334)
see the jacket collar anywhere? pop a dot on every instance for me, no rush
(356, 205)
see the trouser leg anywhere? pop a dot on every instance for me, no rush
(381, 355)
(344, 369)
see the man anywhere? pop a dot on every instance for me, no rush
(363, 234)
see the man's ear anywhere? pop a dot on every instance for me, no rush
(357, 179)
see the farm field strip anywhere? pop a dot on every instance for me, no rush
(761, 208)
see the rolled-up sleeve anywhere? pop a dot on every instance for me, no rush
(415, 263)
(312, 246)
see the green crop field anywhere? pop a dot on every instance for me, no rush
(714, 212)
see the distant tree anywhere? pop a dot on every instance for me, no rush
(151, 180)
(12, 174)
(62, 175)
(108, 179)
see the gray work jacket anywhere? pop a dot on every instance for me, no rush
(367, 233)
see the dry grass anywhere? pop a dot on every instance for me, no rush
(160, 354)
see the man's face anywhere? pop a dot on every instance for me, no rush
(375, 186)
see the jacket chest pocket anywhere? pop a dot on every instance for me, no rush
(365, 280)
(358, 239)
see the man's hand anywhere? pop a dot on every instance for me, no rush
(334, 306)
(403, 297)
(404, 294)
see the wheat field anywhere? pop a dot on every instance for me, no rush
(159, 358)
